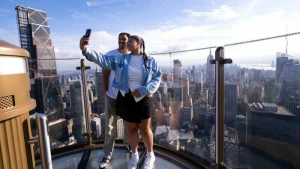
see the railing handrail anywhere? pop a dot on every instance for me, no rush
(202, 48)
(230, 44)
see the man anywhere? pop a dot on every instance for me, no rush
(110, 105)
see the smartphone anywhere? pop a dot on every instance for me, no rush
(88, 33)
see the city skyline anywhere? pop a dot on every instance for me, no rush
(261, 106)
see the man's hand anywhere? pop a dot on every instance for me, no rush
(149, 95)
(136, 93)
(83, 43)
(105, 79)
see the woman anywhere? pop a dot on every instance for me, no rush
(136, 76)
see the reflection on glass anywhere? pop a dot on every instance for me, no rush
(261, 111)
(68, 161)
(40, 34)
(264, 111)
(36, 16)
(45, 56)
(183, 108)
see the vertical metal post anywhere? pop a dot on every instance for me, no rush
(44, 142)
(86, 102)
(219, 93)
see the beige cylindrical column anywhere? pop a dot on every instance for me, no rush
(15, 104)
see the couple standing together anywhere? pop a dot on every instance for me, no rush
(133, 78)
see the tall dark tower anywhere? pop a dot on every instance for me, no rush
(99, 92)
(230, 103)
(35, 38)
(210, 71)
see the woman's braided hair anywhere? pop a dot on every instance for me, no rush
(141, 40)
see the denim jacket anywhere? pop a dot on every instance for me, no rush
(151, 74)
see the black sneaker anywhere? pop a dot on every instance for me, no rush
(104, 163)
(128, 148)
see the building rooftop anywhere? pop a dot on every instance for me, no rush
(270, 108)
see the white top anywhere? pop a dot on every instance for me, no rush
(112, 92)
(135, 75)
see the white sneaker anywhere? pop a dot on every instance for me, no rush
(128, 148)
(133, 161)
(149, 162)
(104, 163)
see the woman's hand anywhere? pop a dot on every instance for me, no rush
(83, 43)
(149, 95)
(136, 93)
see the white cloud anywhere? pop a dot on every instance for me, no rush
(67, 54)
(69, 45)
(112, 16)
(168, 26)
(101, 2)
(247, 28)
(103, 49)
(253, 3)
(268, 24)
(223, 13)
(78, 15)
(167, 37)
(213, 2)
(131, 5)
(51, 18)
(56, 50)
(12, 1)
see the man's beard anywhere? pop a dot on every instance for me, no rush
(122, 46)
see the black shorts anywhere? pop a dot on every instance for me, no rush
(132, 111)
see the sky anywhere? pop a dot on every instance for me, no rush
(166, 25)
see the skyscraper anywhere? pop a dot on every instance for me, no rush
(99, 92)
(230, 103)
(287, 84)
(186, 92)
(210, 71)
(78, 110)
(270, 91)
(177, 84)
(177, 101)
(270, 129)
(177, 69)
(281, 60)
(35, 38)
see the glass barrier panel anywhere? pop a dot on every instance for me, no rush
(183, 106)
(56, 85)
(262, 98)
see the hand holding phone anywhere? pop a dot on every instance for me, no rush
(84, 40)
(88, 33)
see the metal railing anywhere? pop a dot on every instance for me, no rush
(43, 140)
(87, 111)
(219, 62)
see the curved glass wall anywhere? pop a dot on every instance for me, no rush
(261, 105)
(262, 93)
